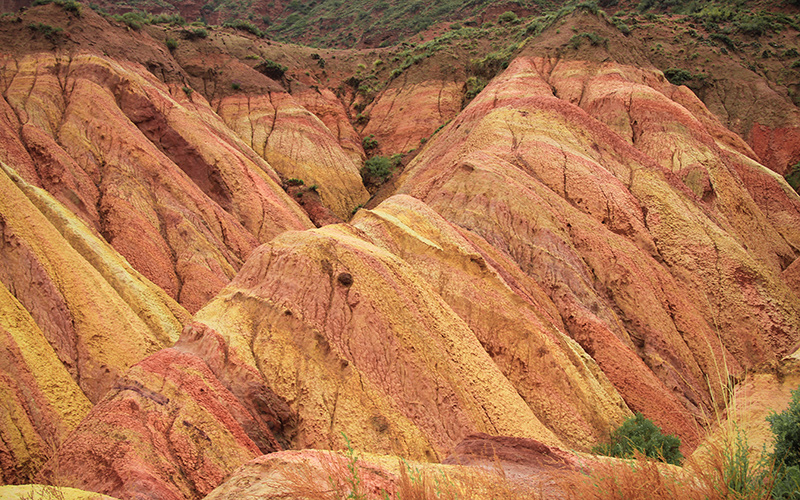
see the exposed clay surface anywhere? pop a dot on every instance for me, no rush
(583, 240)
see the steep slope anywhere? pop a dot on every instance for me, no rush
(356, 342)
(614, 239)
(41, 402)
(509, 313)
(167, 429)
(584, 239)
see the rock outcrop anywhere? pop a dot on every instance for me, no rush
(167, 429)
(156, 173)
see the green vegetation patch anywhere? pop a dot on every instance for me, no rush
(641, 435)
(793, 178)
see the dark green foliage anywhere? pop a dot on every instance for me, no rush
(589, 6)
(70, 6)
(473, 86)
(638, 434)
(50, 32)
(678, 76)
(171, 43)
(621, 26)
(593, 38)
(379, 167)
(789, 53)
(756, 25)
(724, 39)
(272, 69)
(167, 19)
(195, 33)
(508, 17)
(369, 143)
(236, 85)
(786, 425)
(242, 25)
(294, 182)
(134, 20)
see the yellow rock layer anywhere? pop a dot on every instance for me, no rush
(510, 314)
(381, 358)
(109, 333)
(298, 145)
(27, 491)
(41, 403)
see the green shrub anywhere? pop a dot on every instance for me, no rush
(171, 43)
(593, 38)
(508, 17)
(294, 182)
(134, 20)
(369, 143)
(786, 425)
(195, 33)
(242, 25)
(677, 76)
(50, 32)
(473, 86)
(379, 167)
(70, 6)
(755, 25)
(272, 69)
(638, 434)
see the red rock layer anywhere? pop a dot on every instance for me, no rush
(407, 113)
(156, 173)
(168, 429)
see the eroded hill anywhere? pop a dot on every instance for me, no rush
(199, 266)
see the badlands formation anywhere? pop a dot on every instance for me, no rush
(182, 318)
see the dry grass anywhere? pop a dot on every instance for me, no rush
(728, 470)
(333, 476)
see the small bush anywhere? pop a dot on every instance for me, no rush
(134, 20)
(369, 143)
(272, 69)
(194, 33)
(236, 85)
(171, 43)
(294, 182)
(379, 167)
(677, 76)
(786, 425)
(50, 32)
(70, 6)
(593, 38)
(242, 25)
(508, 17)
(638, 434)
